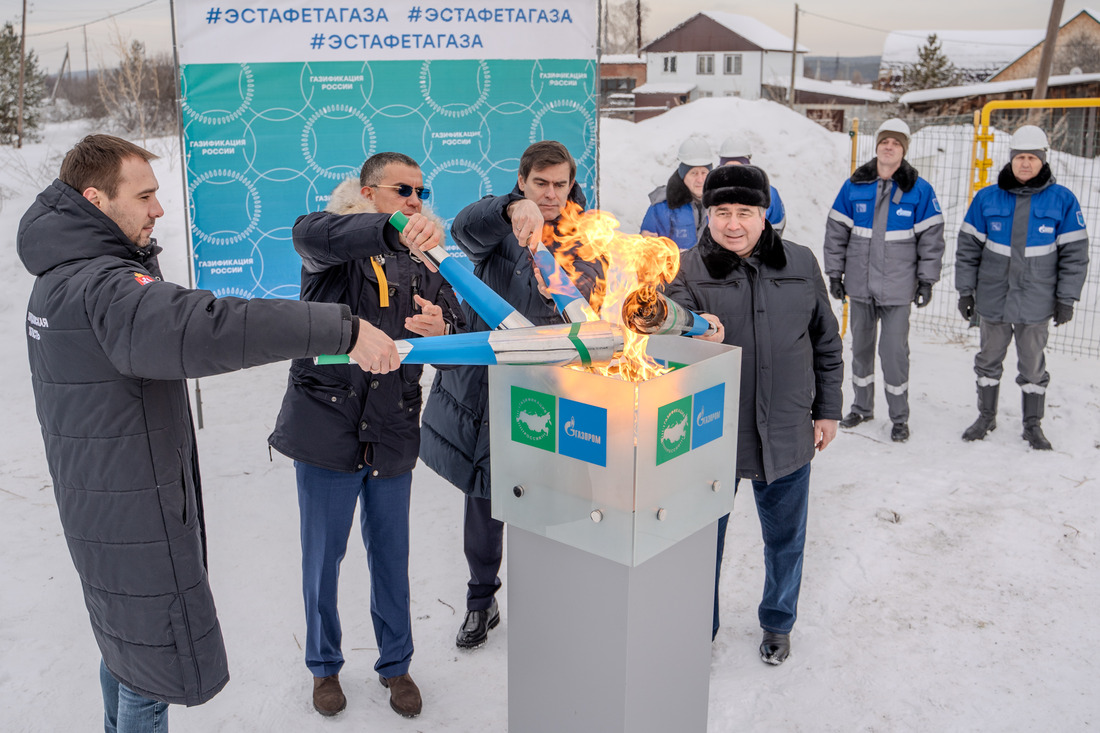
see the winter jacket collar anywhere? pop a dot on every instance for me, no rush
(720, 262)
(1006, 181)
(346, 199)
(676, 191)
(62, 226)
(905, 176)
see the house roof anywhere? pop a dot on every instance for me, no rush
(670, 87)
(992, 87)
(840, 89)
(965, 49)
(753, 31)
(1087, 11)
(621, 58)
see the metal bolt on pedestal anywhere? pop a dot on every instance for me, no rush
(518, 491)
(715, 486)
(597, 515)
(661, 514)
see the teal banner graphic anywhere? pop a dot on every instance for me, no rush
(281, 105)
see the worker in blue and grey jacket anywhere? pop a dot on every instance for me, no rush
(883, 249)
(1021, 259)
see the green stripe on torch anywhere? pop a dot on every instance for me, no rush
(586, 358)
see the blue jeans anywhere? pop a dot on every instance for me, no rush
(125, 711)
(326, 503)
(782, 507)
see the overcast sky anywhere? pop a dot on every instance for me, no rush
(848, 28)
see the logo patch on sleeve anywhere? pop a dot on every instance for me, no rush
(144, 279)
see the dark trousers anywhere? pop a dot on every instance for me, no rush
(783, 506)
(483, 543)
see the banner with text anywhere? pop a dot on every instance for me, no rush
(282, 102)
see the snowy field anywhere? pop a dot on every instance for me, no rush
(947, 586)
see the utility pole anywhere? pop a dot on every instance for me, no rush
(1046, 59)
(638, 38)
(85, 29)
(22, 71)
(794, 59)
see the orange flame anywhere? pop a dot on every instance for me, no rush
(630, 261)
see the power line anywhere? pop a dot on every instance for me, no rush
(97, 20)
(921, 36)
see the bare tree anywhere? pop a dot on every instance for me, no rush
(620, 29)
(140, 93)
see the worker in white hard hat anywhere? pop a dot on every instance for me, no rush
(676, 209)
(1021, 260)
(883, 250)
(736, 150)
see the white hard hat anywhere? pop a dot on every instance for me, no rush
(695, 152)
(894, 128)
(1029, 137)
(735, 147)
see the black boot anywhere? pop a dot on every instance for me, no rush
(1034, 403)
(775, 648)
(987, 413)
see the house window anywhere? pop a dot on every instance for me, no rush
(705, 64)
(670, 64)
(704, 94)
(733, 63)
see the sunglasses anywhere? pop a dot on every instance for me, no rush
(404, 190)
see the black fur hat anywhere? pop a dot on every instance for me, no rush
(737, 184)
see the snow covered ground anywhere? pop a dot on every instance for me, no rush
(948, 586)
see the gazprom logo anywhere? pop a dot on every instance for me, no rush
(1046, 229)
(690, 422)
(904, 212)
(583, 431)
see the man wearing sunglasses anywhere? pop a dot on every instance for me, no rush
(496, 233)
(354, 436)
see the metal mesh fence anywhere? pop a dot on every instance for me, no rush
(942, 149)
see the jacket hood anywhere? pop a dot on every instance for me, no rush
(1006, 181)
(62, 226)
(720, 262)
(905, 176)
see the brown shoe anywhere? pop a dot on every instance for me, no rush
(404, 694)
(328, 698)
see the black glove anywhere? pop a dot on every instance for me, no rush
(836, 288)
(966, 306)
(1063, 313)
(924, 294)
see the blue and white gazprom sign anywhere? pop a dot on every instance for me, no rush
(282, 101)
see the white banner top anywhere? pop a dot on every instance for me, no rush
(243, 31)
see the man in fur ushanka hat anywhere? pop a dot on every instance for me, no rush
(768, 296)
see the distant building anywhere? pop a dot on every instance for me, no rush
(975, 54)
(620, 75)
(1079, 35)
(716, 54)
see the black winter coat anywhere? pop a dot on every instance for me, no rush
(110, 346)
(773, 305)
(455, 432)
(338, 416)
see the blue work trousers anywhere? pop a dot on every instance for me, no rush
(326, 502)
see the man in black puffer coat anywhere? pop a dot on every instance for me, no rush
(110, 347)
(354, 437)
(768, 297)
(455, 436)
